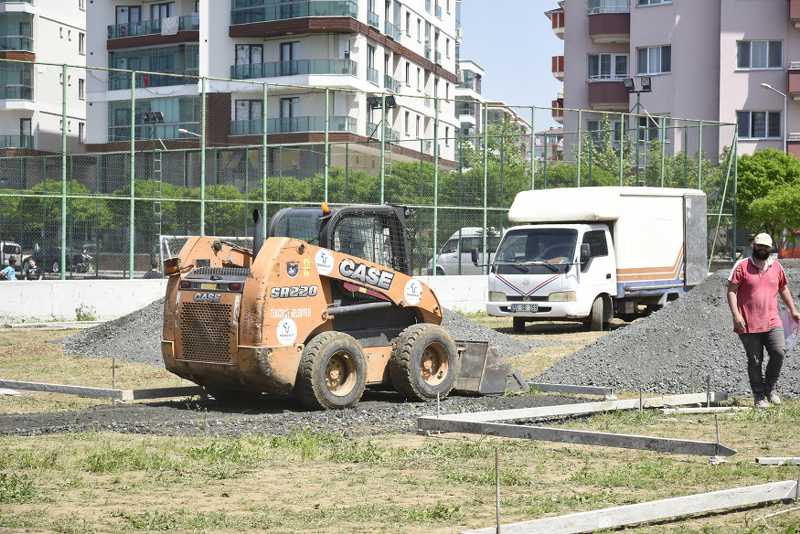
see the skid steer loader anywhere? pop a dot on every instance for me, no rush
(322, 308)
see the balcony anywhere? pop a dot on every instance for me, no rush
(794, 12)
(557, 66)
(16, 2)
(557, 106)
(187, 23)
(16, 32)
(20, 43)
(391, 84)
(294, 125)
(556, 17)
(794, 81)
(392, 31)
(298, 67)
(122, 132)
(16, 141)
(181, 60)
(122, 81)
(374, 20)
(608, 95)
(610, 21)
(438, 58)
(244, 13)
(372, 75)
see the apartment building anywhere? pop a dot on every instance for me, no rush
(356, 48)
(31, 96)
(469, 100)
(707, 60)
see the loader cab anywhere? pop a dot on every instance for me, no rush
(375, 233)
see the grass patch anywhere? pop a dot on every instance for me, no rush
(15, 489)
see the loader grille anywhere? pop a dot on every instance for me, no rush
(205, 332)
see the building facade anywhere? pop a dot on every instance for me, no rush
(356, 48)
(31, 95)
(707, 60)
(469, 99)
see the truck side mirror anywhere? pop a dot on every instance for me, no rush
(586, 252)
(473, 254)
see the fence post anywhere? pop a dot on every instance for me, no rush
(622, 128)
(544, 158)
(326, 168)
(686, 156)
(383, 147)
(735, 149)
(485, 180)
(264, 157)
(533, 148)
(132, 214)
(63, 260)
(663, 142)
(203, 156)
(700, 156)
(580, 144)
(435, 182)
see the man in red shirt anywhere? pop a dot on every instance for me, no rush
(753, 286)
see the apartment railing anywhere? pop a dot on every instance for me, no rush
(176, 130)
(152, 27)
(122, 80)
(438, 58)
(596, 7)
(392, 31)
(16, 92)
(16, 42)
(243, 12)
(189, 22)
(16, 2)
(372, 75)
(374, 132)
(16, 141)
(373, 20)
(294, 68)
(294, 125)
(390, 83)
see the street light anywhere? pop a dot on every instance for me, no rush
(785, 116)
(189, 132)
(637, 86)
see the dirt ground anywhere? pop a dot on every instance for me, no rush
(323, 482)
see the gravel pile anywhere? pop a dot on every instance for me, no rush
(379, 413)
(136, 337)
(676, 348)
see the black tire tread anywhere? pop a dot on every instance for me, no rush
(305, 386)
(401, 364)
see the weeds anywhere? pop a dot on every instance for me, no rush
(15, 489)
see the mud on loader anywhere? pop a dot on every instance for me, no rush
(322, 308)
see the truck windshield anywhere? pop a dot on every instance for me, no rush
(536, 251)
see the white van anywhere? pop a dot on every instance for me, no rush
(462, 253)
(8, 250)
(591, 253)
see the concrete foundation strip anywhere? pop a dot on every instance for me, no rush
(778, 460)
(577, 390)
(648, 512)
(103, 393)
(711, 410)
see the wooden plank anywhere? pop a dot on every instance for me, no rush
(578, 437)
(648, 512)
(565, 410)
(80, 391)
(569, 388)
(778, 460)
(161, 393)
(712, 409)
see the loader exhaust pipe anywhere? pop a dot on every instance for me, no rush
(258, 232)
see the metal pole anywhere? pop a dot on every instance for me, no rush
(264, 157)
(663, 142)
(686, 156)
(132, 215)
(63, 260)
(326, 136)
(383, 147)
(202, 156)
(485, 181)
(700, 156)
(735, 188)
(580, 144)
(533, 147)
(622, 128)
(497, 490)
(435, 181)
(544, 159)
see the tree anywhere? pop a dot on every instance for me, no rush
(759, 175)
(777, 211)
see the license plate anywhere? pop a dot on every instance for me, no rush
(525, 308)
(208, 287)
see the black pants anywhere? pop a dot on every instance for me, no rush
(754, 344)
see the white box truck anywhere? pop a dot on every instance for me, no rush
(591, 253)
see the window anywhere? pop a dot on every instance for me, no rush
(407, 123)
(162, 10)
(69, 35)
(759, 124)
(596, 240)
(447, 136)
(82, 43)
(81, 132)
(248, 110)
(608, 66)
(419, 30)
(597, 132)
(408, 73)
(649, 129)
(447, 47)
(61, 32)
(447, 91)
(419, 79)
(417, 129)
(82, 5)
(408, 23)
(759, 54)
(81, 88)
(653, 2)
(655, 59)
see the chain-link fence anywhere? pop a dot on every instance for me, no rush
(119, 158)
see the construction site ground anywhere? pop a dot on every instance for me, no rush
(82, 465)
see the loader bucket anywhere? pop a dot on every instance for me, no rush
(482, 372)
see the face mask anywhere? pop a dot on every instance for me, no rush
(760, 254)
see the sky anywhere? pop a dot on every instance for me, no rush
(513, 41)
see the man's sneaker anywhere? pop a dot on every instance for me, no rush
(762, 403)
(774, 398)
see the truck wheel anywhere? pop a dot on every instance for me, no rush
(596, 320)
(519, 325)
(424, 362)
(332, 373)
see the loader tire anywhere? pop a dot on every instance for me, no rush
(332, 373)
(424, 363)
(597, 317)
(519, 325)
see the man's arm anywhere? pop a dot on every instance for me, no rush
(786, 296)
(733, 304)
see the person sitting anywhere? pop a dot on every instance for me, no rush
(9, 273)
(33, 272)
(153, 272)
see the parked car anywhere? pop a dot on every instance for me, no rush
(463, 252)
(8, 250)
